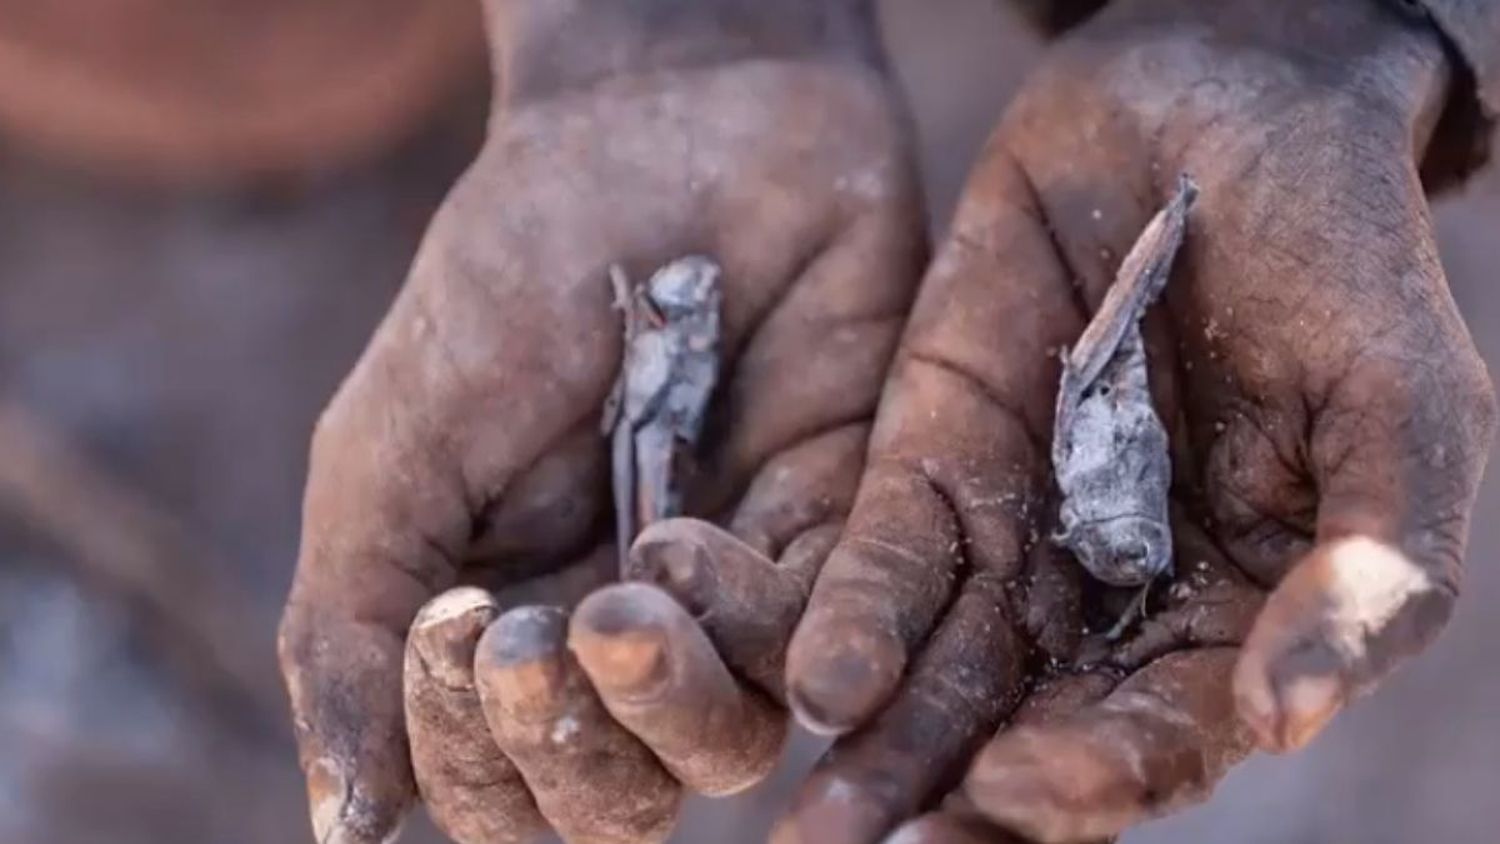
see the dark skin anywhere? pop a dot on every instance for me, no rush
(1329, 419)
(465, 447)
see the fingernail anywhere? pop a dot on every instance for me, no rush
(619, 636)
(326, 795)
(527, 634)
(332, 802)
(1286, 700)
(839, 681)
(518, 660)
(1309, 703)
(446, 630)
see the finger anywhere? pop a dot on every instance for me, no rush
(383, 516)
(473, 793)
(965, 682)
(1334, 626)
(1053, 617)
(1052, 699)
(415, 436)
(1160, 741)
(810, 484)
(1217, 614)
(746, 604)
(817, 357)
(659, 676)
(592, 780)
(957, 469)
(1399, 455)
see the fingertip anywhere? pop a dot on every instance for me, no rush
(840, 671)
(1337, 624)
(524, 634)
(343, 812)
(677, 555)
(660, 677)
(1286, 707)
(881, 593)
(444, 634)
(516, 662)
(345, 683)
(746, 604)
(591, 779)
(1310, 702)
(622, 636)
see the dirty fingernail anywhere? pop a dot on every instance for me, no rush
(518, 655)
(621, 642)
(1310, 702)
(1287, 716)
(445, 631)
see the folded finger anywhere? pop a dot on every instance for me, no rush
(730, 581)
(473, 793)
(1160, 741)
(659, 676)
(592, 780)
(747, 604)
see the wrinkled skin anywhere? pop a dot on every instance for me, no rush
(464, 448)
(1329, 418)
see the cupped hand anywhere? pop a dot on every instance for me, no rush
(1329, 421)
(461, 466)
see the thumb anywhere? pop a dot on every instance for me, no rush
(415, 436)
(1398, 459)
(373, 551)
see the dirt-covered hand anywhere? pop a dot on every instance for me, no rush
(1328, 414)
(464, 450)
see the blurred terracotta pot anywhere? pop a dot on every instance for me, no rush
(216, 89)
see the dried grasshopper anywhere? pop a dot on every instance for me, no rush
(1109, 448)
(656, 410)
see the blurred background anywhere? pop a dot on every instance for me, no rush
(205, 205)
